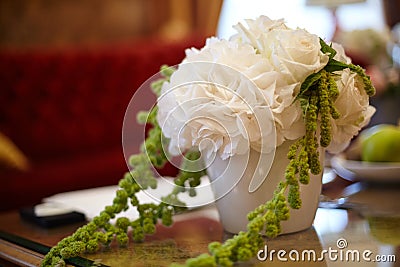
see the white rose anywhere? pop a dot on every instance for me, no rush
(340, 53)
(355, 111)
(295, 53)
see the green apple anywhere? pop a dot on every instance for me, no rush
(381, 143)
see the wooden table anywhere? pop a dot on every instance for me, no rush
(373, 225)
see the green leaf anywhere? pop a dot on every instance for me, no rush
(308, 82)
(327, 49)
(334, 65)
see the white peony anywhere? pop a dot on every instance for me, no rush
(210, 105)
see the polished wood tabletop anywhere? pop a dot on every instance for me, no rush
(365, 231)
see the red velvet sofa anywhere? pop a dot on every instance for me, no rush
(64, 109)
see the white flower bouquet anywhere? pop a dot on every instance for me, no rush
(267, 85)
(277, 60)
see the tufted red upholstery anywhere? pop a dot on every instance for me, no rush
(64, 109)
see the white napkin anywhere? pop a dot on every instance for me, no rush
(92, 201)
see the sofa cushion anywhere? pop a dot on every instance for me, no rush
(64, 108)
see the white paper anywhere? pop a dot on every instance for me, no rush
(92, 201)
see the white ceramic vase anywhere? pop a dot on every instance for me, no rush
(230, 181)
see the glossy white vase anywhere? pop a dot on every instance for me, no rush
(230, 181)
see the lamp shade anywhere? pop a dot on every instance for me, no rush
(331, 3)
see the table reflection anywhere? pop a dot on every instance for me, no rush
(339, 237)
(371, 225)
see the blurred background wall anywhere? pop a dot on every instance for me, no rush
(56, 23)
(64, 22)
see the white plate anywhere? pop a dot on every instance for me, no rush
(366, 171)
